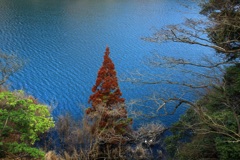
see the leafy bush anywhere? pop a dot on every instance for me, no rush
(227, 150)
(22, 119)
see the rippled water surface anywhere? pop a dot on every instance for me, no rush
(63, 42)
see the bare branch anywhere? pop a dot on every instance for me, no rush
(194, 32)
(9, 64)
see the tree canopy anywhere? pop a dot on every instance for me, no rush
(22, 119)
(225, 28)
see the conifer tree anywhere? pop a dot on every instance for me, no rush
(107, 112)
(106, 90)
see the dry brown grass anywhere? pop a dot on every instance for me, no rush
(85, 140)
(79, 143)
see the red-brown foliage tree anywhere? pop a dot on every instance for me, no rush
(107, 104)
(106, 89)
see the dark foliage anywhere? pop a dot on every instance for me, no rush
(225, 31)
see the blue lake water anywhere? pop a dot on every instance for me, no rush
(63, 42)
